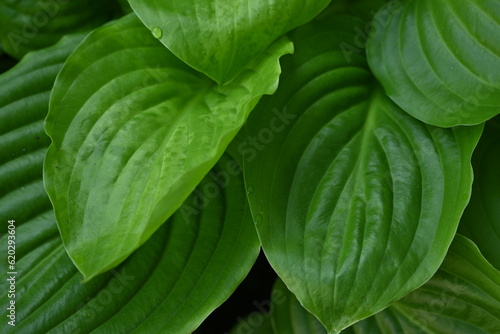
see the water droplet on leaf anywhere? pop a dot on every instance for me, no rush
(250, 190)
(157, 33)
(258, 220)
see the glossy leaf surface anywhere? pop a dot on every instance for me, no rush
(134, 130)
(355, 201)
(462, 297)
(439, 60)
(221, 37)
(31, 25)
(481, 220)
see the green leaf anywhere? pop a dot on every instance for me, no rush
(481, 219)
(355, 201)
(23, 106)
(31, 25)
(134, 130)
(439, 60)
(462, 298)
(220, 38)
(170, 285)
(289, 317)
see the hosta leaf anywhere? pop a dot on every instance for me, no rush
(23, 106)
(134, 130)
(481, 219)
(355, 201)
(220, 37)
(169, 285)
(439, 60)
(186, 270)
(31, 25)
(462, 297)
(288, 316)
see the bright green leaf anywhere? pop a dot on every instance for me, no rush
(31, 25)
(439, 60)
(170, 285)
(220, 38)
(481, 219)
(134, 130)
(355, 201)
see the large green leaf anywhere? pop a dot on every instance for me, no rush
(31, 25)
(169, 285)
(439, 59)
(463, 297)
(481, 219)
(355, 201)
(134, 130)
(186, 270)
(221, 37)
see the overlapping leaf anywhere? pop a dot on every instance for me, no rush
(134, 131)
(463, 298)
(23, 106)
(439, 60)
(187, 269)
(170, 285)
(355, 201)
(221, 37)
(481, 219)
(32, 25)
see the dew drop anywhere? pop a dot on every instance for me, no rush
(157, 33)
(258, 220)
(250, 190)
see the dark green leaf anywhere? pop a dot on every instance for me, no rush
(481, 219)
(289, 317)
(439, 60)
(31, 25)
(23, 106)
(356, 202)
(134, 131)
(220, 38)
(169, 285)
